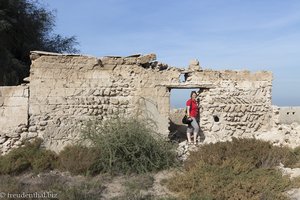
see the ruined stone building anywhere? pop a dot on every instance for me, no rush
(66, 90)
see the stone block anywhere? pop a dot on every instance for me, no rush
(130, 60)
(43, 123)
(31, 135)
(227, 108)
(32, 129)
(97, 93)
(19, 130)
(106, 92)
(146, 58)
(232, 107)
(114, 101)
(15, 101)
(243, 108)
(194, 65)
(112, 61)
(215, 128)
(124, 102)
(2, 139)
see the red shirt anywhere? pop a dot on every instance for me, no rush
(193, 107)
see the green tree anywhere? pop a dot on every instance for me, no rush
(25, 25)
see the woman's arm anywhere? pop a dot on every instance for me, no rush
(188, 111)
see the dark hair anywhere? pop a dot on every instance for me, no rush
(193, 93)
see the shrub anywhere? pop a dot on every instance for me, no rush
(128, 145)
(29, 156)
(296, 153)
(241, 169)
(243, 155)
(78, 159)
(63, 187)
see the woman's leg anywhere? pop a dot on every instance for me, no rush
(189, 130)
(195, 126)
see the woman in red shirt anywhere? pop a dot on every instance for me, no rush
(192, 113)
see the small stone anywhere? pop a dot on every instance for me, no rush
(114, 101)
(19, 130)
(18, 143)
(13, 134)
(106, 92)
(2, 140)
(97, 93)
(7, 143)
(31, 135)
(227, 108)
(194, 65)
(43, 123)
(46, 117)
(194, 62)
(32, 129)
(215, 128)
(146, 58)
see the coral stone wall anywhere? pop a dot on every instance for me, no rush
(233, 104)
(238, 105)
(13, 116)
(67, 90)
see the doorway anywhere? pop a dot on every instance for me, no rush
(178, 98)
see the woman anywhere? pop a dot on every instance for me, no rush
(192, 113)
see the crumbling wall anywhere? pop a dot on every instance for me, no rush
(232, 103)
(282, 133)
(13, 115)
(238, 105)
(289, 115)
(67, 90)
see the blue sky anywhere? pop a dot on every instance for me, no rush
(221, 34)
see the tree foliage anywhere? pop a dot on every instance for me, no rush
(25, 26)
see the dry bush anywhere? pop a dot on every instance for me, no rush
(78, 159)
(243, 155)
(296, 152)
(128, 145)
(31, 156)
(241, 169)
